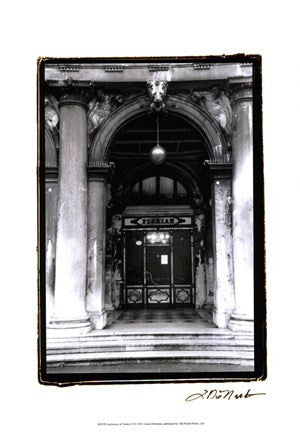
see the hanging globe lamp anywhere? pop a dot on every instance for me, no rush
(158, 154)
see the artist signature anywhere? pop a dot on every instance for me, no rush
(221, 394)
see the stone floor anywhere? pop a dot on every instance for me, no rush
(180, 320)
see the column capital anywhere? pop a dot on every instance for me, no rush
(98, 171)
(220, 170)
(73, 98)
(240, 89)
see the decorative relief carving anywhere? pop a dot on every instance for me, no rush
(202, 66)
(157, 91)
(67, 68)
(69, 82)
(51, 113)
(155, 68)
(100, 107)
(114, 68)
(217, 104)
(197, 195)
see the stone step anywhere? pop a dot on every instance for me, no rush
(216, 356)
(143, 335)
(150, 365)
(140, 345)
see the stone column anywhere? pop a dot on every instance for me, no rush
(200, 279)
(242, 194)
(71, 246)
(222, 244)
(97, 196)
(51, 175)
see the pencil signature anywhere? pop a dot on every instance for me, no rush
(221, 394)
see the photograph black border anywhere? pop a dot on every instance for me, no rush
(260, 325)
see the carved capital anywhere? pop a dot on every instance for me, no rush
(100, 172)
(73, 98)
(240, 90)
(219, 170)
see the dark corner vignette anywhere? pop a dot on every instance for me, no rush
(151, 220)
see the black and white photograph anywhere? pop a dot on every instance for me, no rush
(151, 219)
(149, 216)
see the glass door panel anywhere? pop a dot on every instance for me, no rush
(182, 257)
(158, 265)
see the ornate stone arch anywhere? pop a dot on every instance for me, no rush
(182, 106)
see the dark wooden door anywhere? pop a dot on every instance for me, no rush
(158, 268)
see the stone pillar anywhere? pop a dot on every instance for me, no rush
(51, 224)
(200, 279)
(70, 316)
(242, 194)
(222, 244)
(97, 197)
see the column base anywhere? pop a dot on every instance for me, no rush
(58, 327)
(241, 323)
(221, 318)
(98, 320)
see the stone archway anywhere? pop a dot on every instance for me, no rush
(215, 141)
(219, 160)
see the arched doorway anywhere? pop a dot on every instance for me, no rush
(216, 273)
(159, 246)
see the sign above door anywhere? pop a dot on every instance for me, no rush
(158, 221)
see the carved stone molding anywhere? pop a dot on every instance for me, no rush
(100, 172)
(202, 66)
(51, 174)
(73, 98)
(216, 103)
(156, 68)
(114, 68)
(240, 90)
(68, 68)
(158, 92)
(219, 170)
(100, 107)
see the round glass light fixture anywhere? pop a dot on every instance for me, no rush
(158, 154)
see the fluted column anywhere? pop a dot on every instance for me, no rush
(222, 244)
(97, 196)
(242, 193)
(71, 245)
